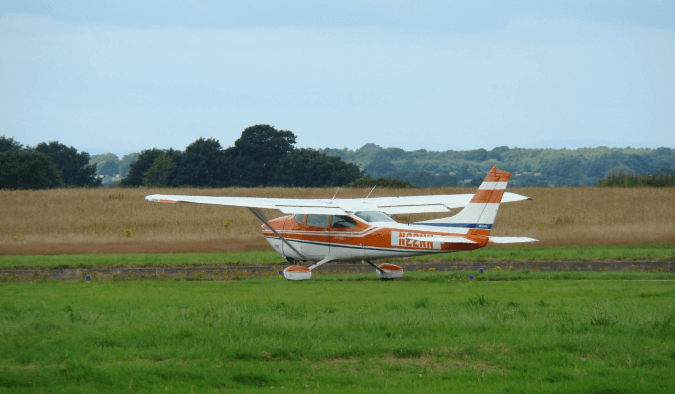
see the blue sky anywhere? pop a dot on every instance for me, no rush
(127, 75)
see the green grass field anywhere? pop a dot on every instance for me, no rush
(434, 332)
(492, 253)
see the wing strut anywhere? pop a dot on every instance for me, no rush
(371, 263)
(325, 260)
(263, 219)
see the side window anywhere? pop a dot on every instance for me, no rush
(317, 220)
(298, 218)
(343, 222)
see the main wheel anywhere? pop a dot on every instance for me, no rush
(297, 272)
(389, 271)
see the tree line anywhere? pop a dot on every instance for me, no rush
(46, 165)
(262, 156)
(531, 167)
(265, 156)
(110, 165)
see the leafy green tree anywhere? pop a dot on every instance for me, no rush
(158, 174)
(666, 171)
(125, 163)
(143, 162)
(256, 154)
(380, 168)
(476, 155)
(74, 167)
(9, 144)
(583, 166)
(106, 164)
(109, 168)
(475, 182)
(597, 167)
(361, 157)
(310, 168)
(202, 164)
(28, 170)
(425, 179)
(497, 152)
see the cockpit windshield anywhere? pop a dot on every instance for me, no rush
(374, 216)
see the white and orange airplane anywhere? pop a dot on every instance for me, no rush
(322, 230)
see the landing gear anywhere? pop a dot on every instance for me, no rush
(386, 271)
(297, 272)
(389, 271)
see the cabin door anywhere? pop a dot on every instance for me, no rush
(344, 241)
(316, 237)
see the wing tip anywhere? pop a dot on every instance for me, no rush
(158, 198)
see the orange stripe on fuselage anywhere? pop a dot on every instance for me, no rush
(479, 232)
(380, 238)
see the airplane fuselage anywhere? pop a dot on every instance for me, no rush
(318, 236)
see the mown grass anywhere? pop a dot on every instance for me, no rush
(339, 335)
(140, 260)
(562, 253)
(488, 254)
(502, 276)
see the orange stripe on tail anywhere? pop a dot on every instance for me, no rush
(496, 175)
(488, 196)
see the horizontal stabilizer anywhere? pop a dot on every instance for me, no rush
(511, 240)
(443, 239)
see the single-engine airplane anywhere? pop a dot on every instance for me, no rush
(322, 230)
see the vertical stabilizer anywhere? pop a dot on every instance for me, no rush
(480, 213)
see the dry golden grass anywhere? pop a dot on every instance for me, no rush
(95, 220)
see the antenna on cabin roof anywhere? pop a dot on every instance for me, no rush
(336, 192)
(371, 192)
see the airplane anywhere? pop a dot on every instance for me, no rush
(323, 230)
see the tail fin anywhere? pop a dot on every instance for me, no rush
(480, 213)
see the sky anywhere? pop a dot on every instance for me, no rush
(121, 76)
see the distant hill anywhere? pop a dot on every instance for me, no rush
(531, 167)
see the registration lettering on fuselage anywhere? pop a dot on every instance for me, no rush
(398, 238)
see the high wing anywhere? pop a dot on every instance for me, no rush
(420, 204)
(285, 205)
(388, 205)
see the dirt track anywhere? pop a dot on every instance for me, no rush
(229, 272)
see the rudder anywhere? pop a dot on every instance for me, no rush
(480, 213)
